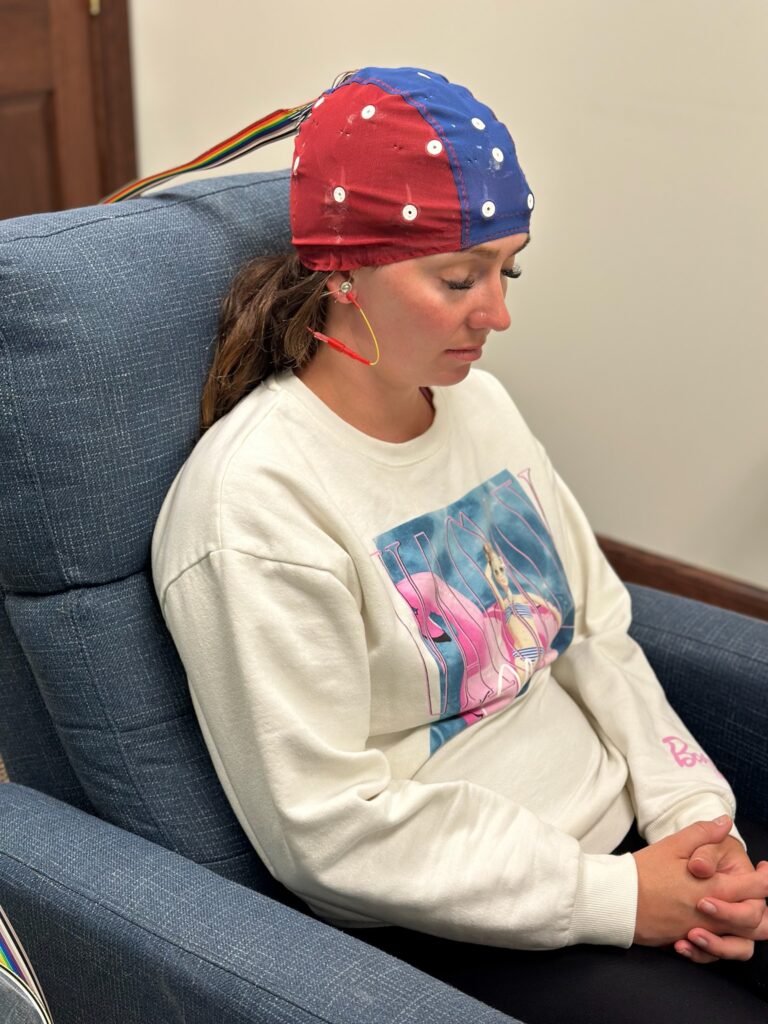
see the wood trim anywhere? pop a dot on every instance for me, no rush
(113, 95)
(633, 565)
(95, 141)
(75, 148)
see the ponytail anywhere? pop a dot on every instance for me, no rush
(262, 329)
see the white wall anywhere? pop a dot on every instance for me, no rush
(638, 350)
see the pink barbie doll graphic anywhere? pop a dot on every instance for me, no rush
(491, 613)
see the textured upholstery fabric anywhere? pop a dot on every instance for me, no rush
(99, 655)
(123, 932)
(28, 740)
(107, 321)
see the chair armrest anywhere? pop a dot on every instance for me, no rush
(122, 931)
(713, 665)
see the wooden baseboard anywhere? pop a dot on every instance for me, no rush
(633, 565)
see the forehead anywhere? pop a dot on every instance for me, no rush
(500, 248)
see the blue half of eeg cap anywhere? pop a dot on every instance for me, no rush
(493, 194)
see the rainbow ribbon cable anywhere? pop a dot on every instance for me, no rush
(274, 126)
(16, 971)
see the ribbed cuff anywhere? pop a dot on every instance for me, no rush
(605, 909)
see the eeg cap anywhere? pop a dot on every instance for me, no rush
(394, 163)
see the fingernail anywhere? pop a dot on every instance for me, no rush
(707, 907)
(684, 952)
(722, 819)
(701, 941)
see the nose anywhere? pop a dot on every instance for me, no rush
(491, 313)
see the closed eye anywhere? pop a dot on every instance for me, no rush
(514, 273)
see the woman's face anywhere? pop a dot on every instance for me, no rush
(499, 572)
(433, 314)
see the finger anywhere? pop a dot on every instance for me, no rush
(736, 918)
(725, 947)
(693, 953)
(747, 885)
(700, 833)
(758, 934)
(703, 862)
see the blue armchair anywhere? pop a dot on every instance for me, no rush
(122, 867)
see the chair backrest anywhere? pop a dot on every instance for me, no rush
(107, 323)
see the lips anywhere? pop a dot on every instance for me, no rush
(466, 354)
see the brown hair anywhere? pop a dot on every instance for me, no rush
(262, 329)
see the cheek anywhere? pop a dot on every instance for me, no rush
(419, 311)
(437, 311)
(414, 304)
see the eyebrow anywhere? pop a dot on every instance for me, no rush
(490, 254)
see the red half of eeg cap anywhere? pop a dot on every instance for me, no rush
(371, 182)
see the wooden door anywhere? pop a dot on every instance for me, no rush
(66, 110)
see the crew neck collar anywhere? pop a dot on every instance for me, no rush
(390, 452)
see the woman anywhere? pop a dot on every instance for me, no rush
(396, 755)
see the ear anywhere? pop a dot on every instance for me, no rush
(334, 283)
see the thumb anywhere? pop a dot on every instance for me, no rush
(700, 833)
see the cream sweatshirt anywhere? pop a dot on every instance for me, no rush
(411, 667)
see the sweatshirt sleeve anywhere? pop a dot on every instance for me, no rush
(277, 663)
(672, 781)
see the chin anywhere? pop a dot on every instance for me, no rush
(461, 371)
(446, 376)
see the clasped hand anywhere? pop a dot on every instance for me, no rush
(698, 890)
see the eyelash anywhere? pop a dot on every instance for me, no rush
(462, 285)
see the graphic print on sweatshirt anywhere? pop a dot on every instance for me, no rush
(489, 594)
